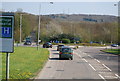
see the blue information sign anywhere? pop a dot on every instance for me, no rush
(6, 27)
(6, 32)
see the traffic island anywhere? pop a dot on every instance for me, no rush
(112, 51)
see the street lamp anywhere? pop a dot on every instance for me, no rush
(20, 40)
(20, 27)
(39, 25)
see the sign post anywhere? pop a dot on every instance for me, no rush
(7, 66)
(6, 37)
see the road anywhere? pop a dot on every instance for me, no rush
(88, 63)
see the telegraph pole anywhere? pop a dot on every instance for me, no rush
(20, 28)
(39, 26)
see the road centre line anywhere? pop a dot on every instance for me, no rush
(110, 76)
(78, 54)
(92, 67)
(84, 53)
(102, 77)
(117, 75)
(105, 73)
(90, 56)
(81, 57)
(85, 60)
(97, 60)
(80, 51)
(106, 67)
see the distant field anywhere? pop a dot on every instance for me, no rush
(113, 51)
(25, 62)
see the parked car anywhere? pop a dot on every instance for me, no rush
(66, 52)
(47, 45)
(27, 43)
(114, 45)
(59, 47)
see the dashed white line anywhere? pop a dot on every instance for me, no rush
(92, 67)
(85, 60)
(102, 77)
(117, 75)
(78, 55)
(109, 73)
(90, 56)
(97, 60)
(110, 77)
(106, 67)
(84, 53)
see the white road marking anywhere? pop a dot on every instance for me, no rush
(84, 53)
(106, 67)
(85, 60)
(102, 77)
(110, 77)
(90, 56)
(109, 73)
(92, 67)
(97, 60)
(78, 54)
(117, 75)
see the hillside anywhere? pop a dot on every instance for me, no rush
(84, 17)
(87, 27)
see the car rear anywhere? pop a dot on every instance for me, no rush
(66, 52)
(47, 45)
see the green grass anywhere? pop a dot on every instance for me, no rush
(81, 44)
(113, 51)
(25, 62)
(88, 44)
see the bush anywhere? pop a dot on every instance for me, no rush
(66, 41)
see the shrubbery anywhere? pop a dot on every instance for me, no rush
(66, 41)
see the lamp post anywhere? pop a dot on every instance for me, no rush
(39, 25)
(20, 40)
(20, 27)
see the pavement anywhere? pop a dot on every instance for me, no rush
(88, 63)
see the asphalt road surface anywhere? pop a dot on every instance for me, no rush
(88, 63)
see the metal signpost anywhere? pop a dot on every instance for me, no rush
(6, 37)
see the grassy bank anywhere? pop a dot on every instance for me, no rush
(112, 51)
(81, 44)
(25, 62)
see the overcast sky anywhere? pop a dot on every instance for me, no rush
(100, 8)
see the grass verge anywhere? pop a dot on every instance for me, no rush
(25, 62)
(81, 44)
(112, 51)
